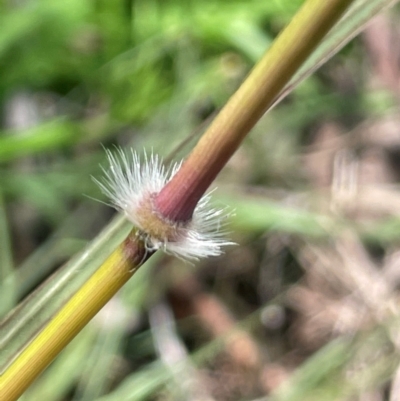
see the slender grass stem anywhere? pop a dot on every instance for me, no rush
(179, 197)
(70, 320)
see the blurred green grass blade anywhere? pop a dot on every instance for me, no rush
(359, 14)
(383, 231)
(23, 21)
(248, 38)
(63, 243)
(7, 273)
(339, 362)
(21, 326)
(257, 214)
(54, 134)
(49, 193)
(43, 261)
(95, 379)
(325, 363)
(15, 26)
(46, 199)
(141, 385)
(60, 183)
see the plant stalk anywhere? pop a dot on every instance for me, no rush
(70, 320)
(179, 197)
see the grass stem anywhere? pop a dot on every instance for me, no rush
(70, 320)
(179, 197)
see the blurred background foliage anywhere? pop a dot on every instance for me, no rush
(315, 189)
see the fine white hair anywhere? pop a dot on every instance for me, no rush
(130, 179)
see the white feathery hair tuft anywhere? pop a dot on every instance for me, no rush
(131, 179)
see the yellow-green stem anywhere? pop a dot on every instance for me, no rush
(180, 196)
(70, 320)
